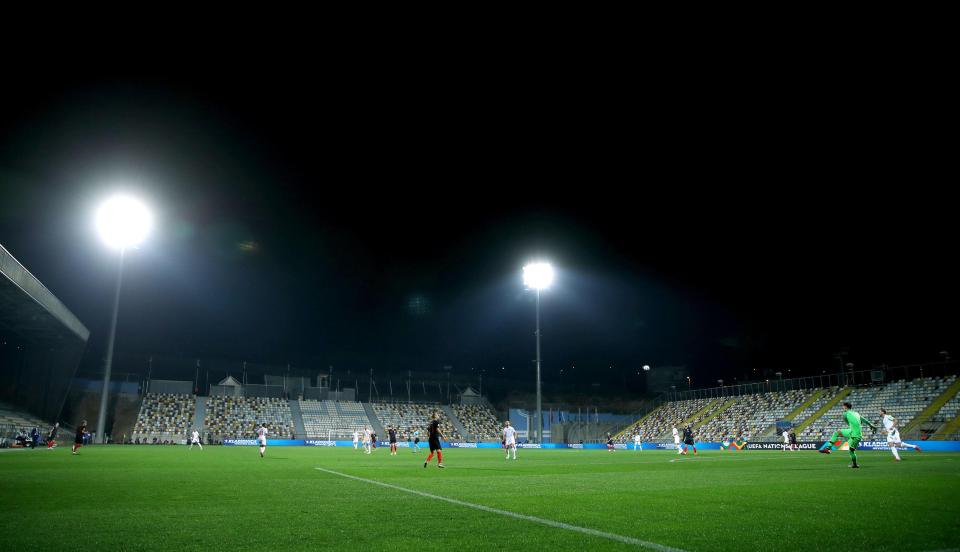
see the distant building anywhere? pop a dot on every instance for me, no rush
(470, 396)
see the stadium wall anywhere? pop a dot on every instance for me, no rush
(928, 446)
(83, 403)
(172, 387)
(38, 378)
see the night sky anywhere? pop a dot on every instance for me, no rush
(381, 221)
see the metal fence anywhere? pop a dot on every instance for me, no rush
(841, 379)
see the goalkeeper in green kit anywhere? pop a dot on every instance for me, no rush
(853, 433)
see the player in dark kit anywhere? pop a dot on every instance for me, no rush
(392, 433)
(610, 445)
(433, 438)
(52, 436)
(78, 439)
(688, 440)
(793, 441)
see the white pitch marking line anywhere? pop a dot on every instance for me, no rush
(542, 521)
(732, 459)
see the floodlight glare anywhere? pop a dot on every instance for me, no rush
(123, 222)
(538, 275)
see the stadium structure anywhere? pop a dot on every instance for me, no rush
(572, 498)
(43, 342)
(926, 409)
(41, 345)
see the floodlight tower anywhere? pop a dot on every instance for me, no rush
(538, 276)
(122, 222)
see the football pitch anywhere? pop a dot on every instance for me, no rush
(228, 498)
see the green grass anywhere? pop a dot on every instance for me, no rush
(227, 498)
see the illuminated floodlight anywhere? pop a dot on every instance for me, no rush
(123, 222)
(538, 275)
(646, 368)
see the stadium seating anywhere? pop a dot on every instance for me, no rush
(164, 417)
(751, 415)
(410, 417)
(239, 417)
(658, 424)
(13, 419)
(816, 405)
(706, 413)
(950, 410)
(902, 399)
(332, 418)
(479, 421)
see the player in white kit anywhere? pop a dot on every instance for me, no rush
(262, 438)
(786, 440)
(356, 440)
(893, 435)
(676, 439)
(510, 439)
(637, 442)
(366, 440)
(195, 440)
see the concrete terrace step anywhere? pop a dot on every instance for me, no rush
(823, 410)
(642, 418)
(710, 405)
(374, 420)
(716, 413)
(456, 421)
(949, 428)
(686, 421)
(813, 398)
(772, 430)
(199, 413)
(934, 407)
(297, 417)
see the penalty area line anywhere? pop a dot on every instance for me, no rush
(548, 522)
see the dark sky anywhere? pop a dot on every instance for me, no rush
(381, 220)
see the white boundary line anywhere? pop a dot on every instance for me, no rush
(778, 458)
(732, 459)
(550, 523)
